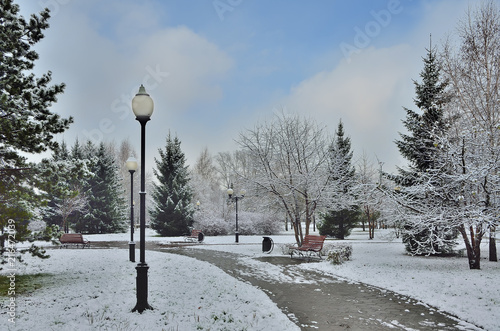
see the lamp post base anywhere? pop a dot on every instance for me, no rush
(142, 288)
(131, 247)
(237, 237)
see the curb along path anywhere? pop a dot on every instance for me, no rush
(316, 301)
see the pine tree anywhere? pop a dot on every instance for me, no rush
(339, 222)
(419, 146)
(172, 214)
(26, 124)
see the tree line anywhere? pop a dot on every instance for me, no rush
(296, 173)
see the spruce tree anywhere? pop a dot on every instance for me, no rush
(106, 207)
(419, 147)
(341, 158)
(60, 162)
(339, 222)
(172, 214)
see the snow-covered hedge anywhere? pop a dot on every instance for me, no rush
(213, 226)
(257, 223)
(248, 224)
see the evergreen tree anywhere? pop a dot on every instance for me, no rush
(60, 155)
(172, 214)
(419, 147)
(339, 222)
(106, 207)
(26, 124)
(66, 198)
(340, 153)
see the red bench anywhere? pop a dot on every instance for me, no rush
(311, 245)
(73, 239)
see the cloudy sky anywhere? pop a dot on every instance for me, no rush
(216, 67)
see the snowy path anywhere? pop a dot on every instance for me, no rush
(316, 301)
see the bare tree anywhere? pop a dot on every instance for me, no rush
(474, 73)
(121, 154)
(290, 160)
(207, 190)
(73, 202)
(369, 198)
(205, 166)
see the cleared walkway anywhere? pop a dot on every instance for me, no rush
(315, 301)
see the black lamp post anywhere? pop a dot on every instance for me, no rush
(132, 167)
(235, 198)
(143, 107)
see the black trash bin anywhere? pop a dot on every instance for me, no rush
(201, 236)
(267, 244)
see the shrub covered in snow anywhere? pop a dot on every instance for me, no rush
(337, 253)
(213, 226)
(257, 223)
(248, 224)
(286, 248)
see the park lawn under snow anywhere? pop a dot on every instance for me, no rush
(95, 289)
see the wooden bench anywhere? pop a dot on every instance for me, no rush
(311, 245)
(196, 236)
(73, 239)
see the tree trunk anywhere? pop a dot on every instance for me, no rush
(371, 226)
(371, 230)
(341, 229)
(397, 231)
(308, 217)
(493, 246)
(474, 256)
(297, 228)
(296, 232)
(301, 235)
(473, 246)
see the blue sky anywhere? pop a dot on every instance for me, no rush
(216, 67)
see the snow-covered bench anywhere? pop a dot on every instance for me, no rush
(311, 245)
(76, 239)
(196, 236)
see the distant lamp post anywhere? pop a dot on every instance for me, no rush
(235, 198)
(132, 167)
(143, 107)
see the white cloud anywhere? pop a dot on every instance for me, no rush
(367, 94)
(194, 65)
(103, 70)
(104, 50)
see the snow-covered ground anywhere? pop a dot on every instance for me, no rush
(95, 289)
